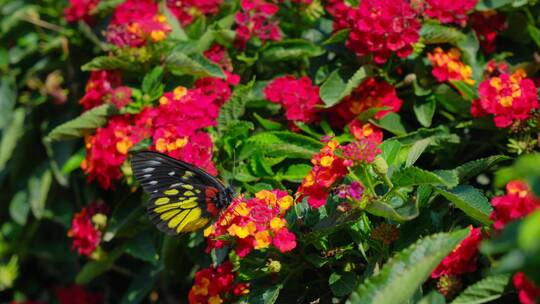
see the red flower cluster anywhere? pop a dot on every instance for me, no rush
(507, 97)
(186, 11)
(217, 54)
(517, 203)
(135, 22)
(449, 11)
(327, 169)
(462, 259)
(76, 294)
(370, 94)
(107, 150)
(486, 25)
(216, 285)
(527, 291)
(255, 20)
(105, 86)
(448, 66)
(299, 97)
(86, 228)
(254, 223)
(361, 151)
(341, 12)
(365, 130)
(80, 10)
(383, 27)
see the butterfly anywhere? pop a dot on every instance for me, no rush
(183, 198)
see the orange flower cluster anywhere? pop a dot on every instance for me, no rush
(448, 66)
(216, 286)
(327, 169)
(254, 223)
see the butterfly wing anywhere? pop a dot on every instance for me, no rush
(179, 192)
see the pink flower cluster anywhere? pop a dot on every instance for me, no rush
(254, 223)
(528, 293)
(80, 10)
(462, 259)
(105, 86)
(255, 19)
(449, 11)
(382, 27)
(85, 230)
(299, 97)
(508, 97)
(135, 22)
(515, 204)
(360, 151)
(186, 10)
(487, 25)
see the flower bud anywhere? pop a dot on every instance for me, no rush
(274, 266)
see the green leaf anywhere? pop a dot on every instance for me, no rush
(529, 234)
(282, 143)
(290, 49)
(432, 298)
(475, 167)
(416, 150)
(413, 176)
(110, 63)
(151, 84)
(467, 91)
(403, 274)
(342, 284)
(424, 110)
(448, 98)
(196, 65)
(11, 135)
(391, 122)
(177, 31)
(143, 247)
(236, 106)
(450, 177)
(95, 268)
(406, 212)
(8, 98)
(84, 124)
(295, 173)
(19, 208)
(390, 150)
(470, 200)
(435, 33)
(337, 37)
(266, 123)
(535, 33)
(74, 162)
(264, 296)
(38, 188)
(341, 83)
(485, 5)
(142, 284)
(484, 291)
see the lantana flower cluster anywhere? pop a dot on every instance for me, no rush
(86, 227)
(508, 97)
(328, 168)
(487, 25)
(255, 20)
(361, 130)
(187, 11)
(462, 259)
(216, 285)
(299, 97)
(449, 11)
(80, 10)
(381, 28)
(528, 293)
(370, 94)
(517, 203)
(255, 223)
(448, 66)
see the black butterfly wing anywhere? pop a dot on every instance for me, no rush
(179, 192)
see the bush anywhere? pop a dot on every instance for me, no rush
(380, 151)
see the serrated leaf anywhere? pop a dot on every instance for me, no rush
(177, 31)
(424, 110)
(434, 33)
(290, 49)
(416, 150)
(236, 106)
(414, 176)
(342, 284)
(341, 83)
(283, 143)
(84, 124)
(266, 123)
(450, 177)
(403, 274)
(264, 296)
(406, 212)
(471, 201)
(390, 150)
(483, 291)
(110, 63)
(391, 122)
(296, 173)
(475, 167)
(11, 135)
(195, 64)
(151, 84)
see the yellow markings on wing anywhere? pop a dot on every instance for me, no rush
(182, 205)
(187, 187)
(162, 200)
(196, 225)
(189, 193)
(193, 216)
(168, 215)
(171, 192)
